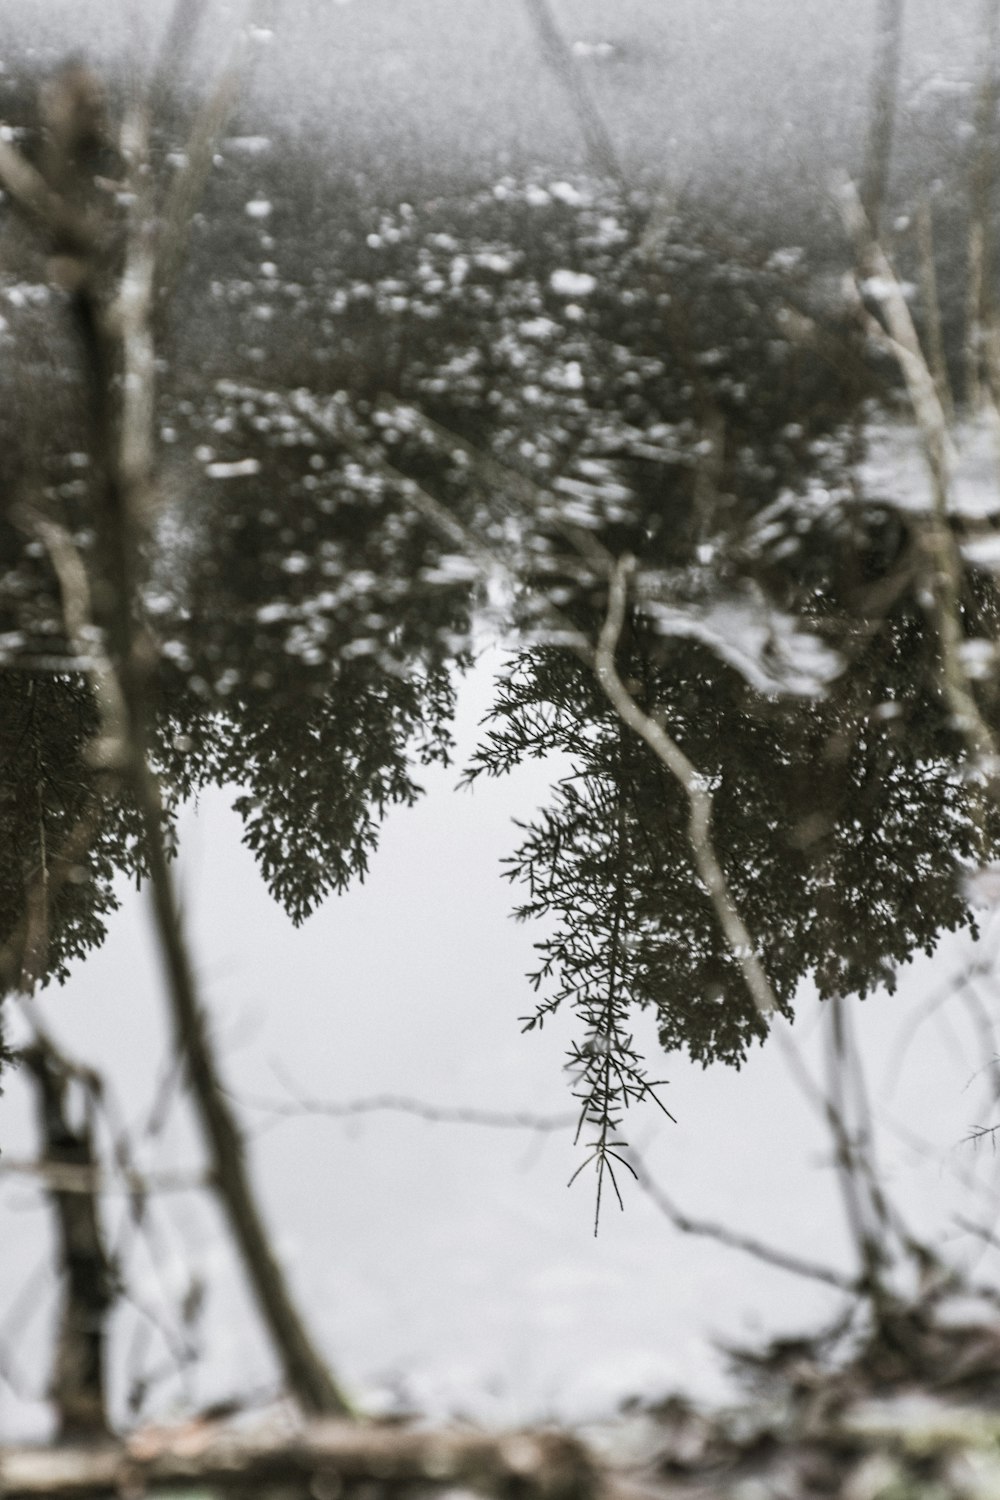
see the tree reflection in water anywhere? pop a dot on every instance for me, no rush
(630, 440)
(567, 377)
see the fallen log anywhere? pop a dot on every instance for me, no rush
(324, 1458)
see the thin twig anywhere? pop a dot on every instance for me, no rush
(32, 195)
(91, 1178)
(981, 305)
(864, 1204)
(434, 1114)
(784, 1260)
(188, 185)
(560, 59)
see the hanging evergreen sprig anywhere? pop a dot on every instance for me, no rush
(609, 1072)
(580, 859)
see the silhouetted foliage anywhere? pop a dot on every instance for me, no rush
(61, 828)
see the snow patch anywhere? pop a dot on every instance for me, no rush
(237, 470)
(572, 283)
(895, 471)
(767, 647)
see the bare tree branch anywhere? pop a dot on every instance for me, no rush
(78, 1380)
(943, 560)
(694, 785)
(299, 1106)
(932, 307)
(114, 318)
(32, 195)
(187, 187)
(784, 1260)
(981, 354)
(887, 52)
(88, 1178)
(560, 59)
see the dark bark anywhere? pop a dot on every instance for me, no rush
(78, 1379)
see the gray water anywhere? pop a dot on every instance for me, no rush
(446, 1265)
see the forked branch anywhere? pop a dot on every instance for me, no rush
(670, 754)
